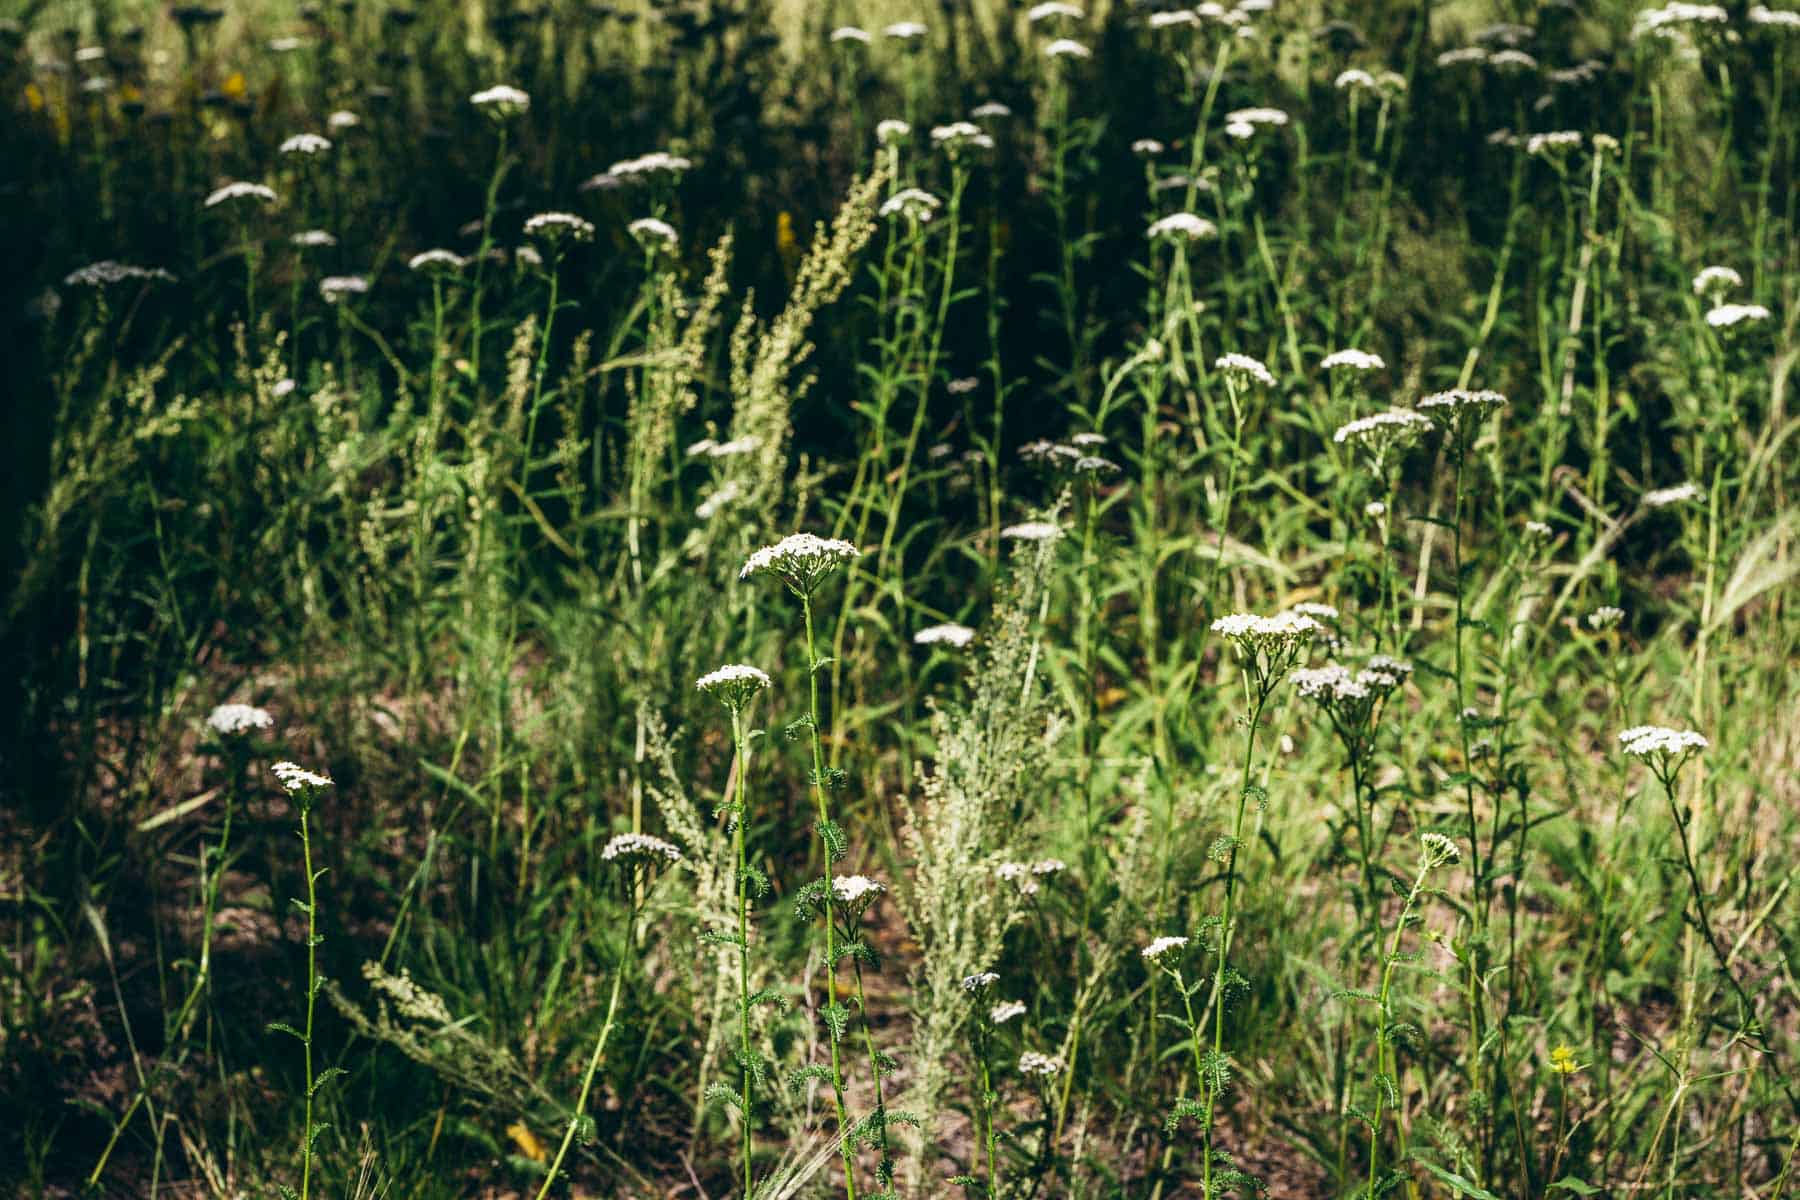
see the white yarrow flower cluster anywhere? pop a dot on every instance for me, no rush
(314, 239)
(1032, 531)
(904, 31)
(1438, 849)
(1010, 1010)
(1380, 432)
(1170, 20)
(980, 981)
(851, 33)
(296, 778)
(1770, 18)
(107, 272)
(913, 204)
(1667, 21)
(892, 130)
(856, 891)
(1243, 369)
(1724, 316)
(1280, 632)
(1607, 616)
(653, 234)
(990, 108)
(240, 191)
(957, 135)
(1353, 360)
(501, 101)
(1715, 281)
(436, 260)
(1067, 48)
(1042, 1065)
(1183, 225)
(1163, 946)
(802, 561)
(341, 120)
(947, 634)
(644, 166)
(1663, 497)
(640, 847)
(1052, 8)
(334, 288)
(231, 719)
(733, 684)
(1648, 741)
(553, 227)
(306, 143)
(1545, 144)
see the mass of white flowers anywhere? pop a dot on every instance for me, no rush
(1714, 281)
(1244, 369)
(914, 204)
(651, 232)
(991, 108)
(1032, 531)
(1607, 616)
(341, 120)
(802, 561)
(106, 273)
(1542, 144)
(314, 239)
(1256, 116)
(1148, 147)
(947, 634)
(733, 684)
(851, 33)
(980, 981)
(856, 890)
(1052, 8)
(1663, 497)
(1439, 849)
(436, 260)
(240, 191)
(1354, 360)
(1283, 630)
(1009, 1010)
(1067, 48)
(1724, 316)
(1647, 741)
(904, 31)
(1394, 426)
(1774, 18)
(238, 718)
(1033, 1063)
(1161, 946)
(306, 143)
(635, 847)
(555, 226)
(1183, 225)
(501, 101)
(334, 288)
(295, 777)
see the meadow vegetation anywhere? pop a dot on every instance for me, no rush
(788, 600)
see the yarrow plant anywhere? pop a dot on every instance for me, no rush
(304, 788)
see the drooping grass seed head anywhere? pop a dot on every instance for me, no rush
(733, 685)
(803, 561)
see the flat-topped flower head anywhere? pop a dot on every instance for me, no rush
(1547, 145)
(892, 130)
(314, 239)
(1183, 226)
(633, 849)
(1512, 60)
(336, 288)
(980, 981)
(1019, 875)
(1461, 400)
(1784, 20)
(232, 719)
(501, 102)
(647, 166)
(1606, 617)
(1032, 531)
(1043, 1066)
(1067, 48)
(1652, 741)
(1269, 646)
(554, 228)
(719, 500)
(733, 448)
(1383, 433)
(1163, 947)
(1462, 56)
(107, 273)
(990, 109)
(1010, 1010)
(654, 235)
(856, 892)
(342, 120)
(1716, 281)
(1351, 360)
(261, 193)
(296, 778)
(852, 34)
(1671, 20)
(904, 31)
(947, 634)
(1315, 610)
(1243, 370)
(803, 561)
(733, 685)
(911, 204)
(958, 136)
(1053, 8)
(1171, 20)
(306, 144)
(1679, 494)
(436, 262)
(1438, 850)
(1724, 316)
(1354, 78)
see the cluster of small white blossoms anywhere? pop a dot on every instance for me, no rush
(892, 129)
(1461, 405)
(1556, 141)
(1334, 683)
(1025, 876)
(436, 260)
(1724, 316)
(1067, 48)
(630, 846)
(1439, 849)
(733, 684)
(801, 560)
(341, 120)
(980, 981)
(1148, 147)
(1663, 497)
(501, 101)
(1244, 122)
(106, 272)
(334, 288)
(314, 239)
(654, 234)
(904, 31)
(947, 634)
(553, 227)
(1032, 531)
(645, 166)
(1607, 616)
(990, 109)
(238, 718)
(1643, 741)
(850, 33)
(1282, 631)
(1053, 8)
(1515, 60)
(914, 204)
(716, 503)
(1461, 56)
(959, 134)
(1242, 369)
(1668, 20)
(1774, 18)
(1071, 457)
(1354, 360)
(1033, 1063)
(1716, 281)
(1161, 946)
(1006, 1010)
(306, 143)
(1355, 79)
(295, 777)
(1183, 225)
(856, 891)
(1382, 431)
(240, 191)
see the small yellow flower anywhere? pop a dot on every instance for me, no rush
(1562, 1060)
(235, 87)
(526, 1141)
(34, 97)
